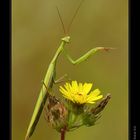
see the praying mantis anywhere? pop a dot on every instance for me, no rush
(50, 77)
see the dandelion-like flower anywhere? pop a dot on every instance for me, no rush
(80, 93)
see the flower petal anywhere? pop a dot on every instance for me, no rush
(94, 98)
(67, 86)
(80, 89)
(87, 87)
(74, 84)
(95, 92)
(63, 90)
(91, 102)
(98, 97)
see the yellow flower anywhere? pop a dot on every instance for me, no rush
(79, 93)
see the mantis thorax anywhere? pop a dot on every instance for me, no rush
(66, 39)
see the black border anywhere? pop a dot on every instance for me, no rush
(5, 70)
(134, 62)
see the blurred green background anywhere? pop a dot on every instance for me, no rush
(36, 33)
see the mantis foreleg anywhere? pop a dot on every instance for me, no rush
(85, 56)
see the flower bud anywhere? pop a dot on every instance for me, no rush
(101, 105)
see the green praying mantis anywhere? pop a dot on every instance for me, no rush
(50, 77)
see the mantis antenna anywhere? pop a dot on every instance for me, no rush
(61, 20)
(75, 15)
(71, 19)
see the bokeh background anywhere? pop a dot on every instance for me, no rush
(36, 33)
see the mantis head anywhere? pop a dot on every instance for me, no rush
(66, 39)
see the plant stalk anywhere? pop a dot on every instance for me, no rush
(63, 132)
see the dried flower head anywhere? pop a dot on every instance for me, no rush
(55, 113)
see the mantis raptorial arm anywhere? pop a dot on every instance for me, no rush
(85, 56)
